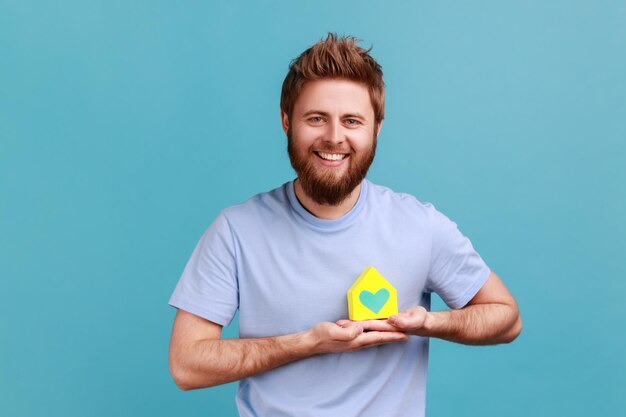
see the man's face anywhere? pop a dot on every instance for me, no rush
(331, 138)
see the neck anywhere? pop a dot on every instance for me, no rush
(326, 211)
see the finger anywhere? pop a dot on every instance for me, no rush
(377, 325)
(375, 338)
(410, 319)
(369, 325)
(345, 334)
(398, 322)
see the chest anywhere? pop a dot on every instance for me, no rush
(290, 281)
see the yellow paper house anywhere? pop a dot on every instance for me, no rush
(371, 297)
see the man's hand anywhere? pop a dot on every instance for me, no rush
(200, 358)
(412, 321)
(335, 337)
(490, 317)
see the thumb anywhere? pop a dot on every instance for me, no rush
(408, 320)
(347, 333)
(398, 321)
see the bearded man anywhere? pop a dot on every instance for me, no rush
(286, 258)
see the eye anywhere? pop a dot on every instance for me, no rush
(316, 119)
(352, 122)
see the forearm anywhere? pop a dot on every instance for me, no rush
(204, 362)
(210, 362)
(479, 324)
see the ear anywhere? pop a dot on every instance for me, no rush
(378, 128)
(284, 121)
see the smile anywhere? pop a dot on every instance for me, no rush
(331, 156)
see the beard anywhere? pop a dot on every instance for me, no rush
(324, 186)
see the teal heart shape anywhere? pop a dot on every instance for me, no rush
(374, 302)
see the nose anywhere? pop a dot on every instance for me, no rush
(334, 134)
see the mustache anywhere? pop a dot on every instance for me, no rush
(332, 149)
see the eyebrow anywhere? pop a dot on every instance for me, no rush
(323, 113)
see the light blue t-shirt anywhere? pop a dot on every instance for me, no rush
(287, 270)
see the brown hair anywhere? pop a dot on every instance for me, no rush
(335, 57)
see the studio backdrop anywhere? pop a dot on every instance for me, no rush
(125, 127)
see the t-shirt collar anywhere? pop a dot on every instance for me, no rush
(336, 224)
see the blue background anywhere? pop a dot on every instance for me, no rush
(125, 127)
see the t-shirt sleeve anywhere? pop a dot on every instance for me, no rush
(457, 272)
(208, 286)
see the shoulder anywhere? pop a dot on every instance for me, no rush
(261, 207)
(384, 198)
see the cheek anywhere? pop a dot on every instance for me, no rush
(308, 132)
(305, 136)
(363, 140)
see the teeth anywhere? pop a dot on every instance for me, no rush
(331, 156)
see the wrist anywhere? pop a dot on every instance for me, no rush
(431, 324)
(305, 344)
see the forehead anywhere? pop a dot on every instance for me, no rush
(334, 96)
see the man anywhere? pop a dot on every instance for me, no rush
(286, 259)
